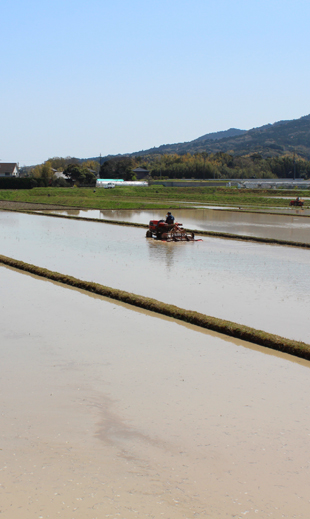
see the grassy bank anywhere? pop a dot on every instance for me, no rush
(152, 197)
(229, 328)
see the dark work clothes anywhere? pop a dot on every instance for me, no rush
(170, 218)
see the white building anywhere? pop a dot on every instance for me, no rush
(101, 182)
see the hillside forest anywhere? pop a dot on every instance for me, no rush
(207, 166)
(173, 166)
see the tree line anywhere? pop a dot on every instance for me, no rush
(207, 166)
(71, 168)
(200, 166)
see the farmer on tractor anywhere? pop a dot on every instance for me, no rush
(169, 218)
(168, 230)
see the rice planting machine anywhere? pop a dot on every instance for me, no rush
(297, 202)
(160, 230)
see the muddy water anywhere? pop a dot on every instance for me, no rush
(263, 286)
(283, 227)
(110, 412)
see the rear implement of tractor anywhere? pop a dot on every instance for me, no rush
(160, 230)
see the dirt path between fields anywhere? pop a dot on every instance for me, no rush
(7, 204)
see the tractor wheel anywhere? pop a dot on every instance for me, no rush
(149, 234)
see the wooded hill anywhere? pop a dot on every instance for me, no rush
(271, 140)
(275, 150)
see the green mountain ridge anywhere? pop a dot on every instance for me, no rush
(270, 140)
(279, 150)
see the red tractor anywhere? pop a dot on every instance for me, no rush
(160, 230)
(297, 202)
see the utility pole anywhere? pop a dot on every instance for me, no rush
(294, 167)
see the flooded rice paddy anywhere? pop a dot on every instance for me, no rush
(290, 227)
(111, 412)
(262, 286)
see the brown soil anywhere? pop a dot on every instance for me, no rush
(19, 206)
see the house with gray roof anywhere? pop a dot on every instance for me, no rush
(9, 169)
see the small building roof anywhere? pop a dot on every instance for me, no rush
(8, 167)
(59, 174)
(141, 170)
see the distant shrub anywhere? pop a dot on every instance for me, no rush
(60, 182)
(17, 183)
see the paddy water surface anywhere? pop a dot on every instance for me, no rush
(111, 412)
(292, 227)
(263, 286)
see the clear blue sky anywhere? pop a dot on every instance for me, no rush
(80, 78)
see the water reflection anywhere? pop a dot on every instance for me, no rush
(283, 227)
(165, 253)
(262, 286)
(74, 212)
(117, 413)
